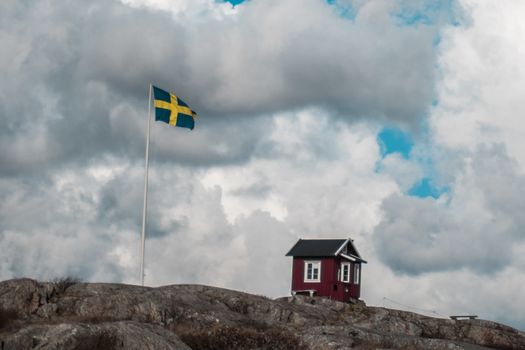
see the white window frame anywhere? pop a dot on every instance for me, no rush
(316, 264)
(357, 273)
(347, 266)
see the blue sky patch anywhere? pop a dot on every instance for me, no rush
(426, 188)
(410, 17)
(344, 10)
(235, 2)
(392, 140)
(427, 13)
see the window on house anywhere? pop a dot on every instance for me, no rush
(345, 272)
(312, 271)
(357, 271)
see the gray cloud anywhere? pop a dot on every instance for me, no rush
(477, 228)
(48, 232)
(76, 83)
(258, 190)
(321, 59)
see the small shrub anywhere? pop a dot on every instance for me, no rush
(63, 283)
(7, 317)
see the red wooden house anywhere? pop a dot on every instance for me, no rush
(326, 267)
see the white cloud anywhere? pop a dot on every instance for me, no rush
(480, 97)
(210, 226)
(405, 172)
(471, 238)
(188, 10)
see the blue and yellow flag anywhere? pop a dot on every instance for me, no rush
(172, 110)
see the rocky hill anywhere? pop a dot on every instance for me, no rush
(68, 315)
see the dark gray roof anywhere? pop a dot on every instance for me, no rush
(316, 247)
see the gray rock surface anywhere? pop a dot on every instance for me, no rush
(36, 315)
(107, 335)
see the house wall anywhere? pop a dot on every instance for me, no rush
(355, 288)
(329, 286)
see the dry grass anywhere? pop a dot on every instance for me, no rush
(8, 318)
(107, 341)
(222, 337)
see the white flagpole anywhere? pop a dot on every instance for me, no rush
(143, 237)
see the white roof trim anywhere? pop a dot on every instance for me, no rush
(355, 249)
(354, 258)
(342, 246)
(349, 257)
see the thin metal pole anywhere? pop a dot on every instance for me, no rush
(143, 237)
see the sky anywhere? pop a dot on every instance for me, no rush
(396, 123)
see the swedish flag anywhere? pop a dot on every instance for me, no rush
(172, 110)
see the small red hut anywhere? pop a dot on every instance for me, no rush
(326, 267)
